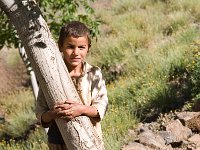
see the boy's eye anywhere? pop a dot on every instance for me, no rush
(70, 46)
(81, 47)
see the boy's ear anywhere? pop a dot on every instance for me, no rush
(88, 48)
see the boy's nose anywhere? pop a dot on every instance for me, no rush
(76, 51)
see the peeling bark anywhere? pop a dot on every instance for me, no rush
(51, 72)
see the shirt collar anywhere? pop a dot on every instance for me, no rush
(86, 68)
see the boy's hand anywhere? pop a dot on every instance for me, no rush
(53, 113)
(69, 109)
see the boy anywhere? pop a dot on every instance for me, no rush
(74, 43)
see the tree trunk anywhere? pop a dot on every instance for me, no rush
(51, 72)
(34, 84)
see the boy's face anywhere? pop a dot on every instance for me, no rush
(75, 50)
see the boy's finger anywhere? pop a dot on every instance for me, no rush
(70, 102)
(59, 102)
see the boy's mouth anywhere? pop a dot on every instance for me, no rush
(75, 59)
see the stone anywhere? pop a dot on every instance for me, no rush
(152, 140)
(194, 124)
(167, 133)
(185, 116)
(167, 136)
(135, 146)
(177, 130)
(195, 138)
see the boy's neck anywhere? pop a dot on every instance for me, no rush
(75, 71)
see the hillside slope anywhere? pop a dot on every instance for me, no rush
(13, 75)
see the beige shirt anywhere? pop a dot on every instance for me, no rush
(92, 91)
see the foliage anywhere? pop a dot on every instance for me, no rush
(36, 141)
(194, 69)
(7, 33)
(19, 131)
(19, 107)
(56, 13)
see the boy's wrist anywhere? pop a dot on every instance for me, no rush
(90, 111)
(47, 117)
(84, 110)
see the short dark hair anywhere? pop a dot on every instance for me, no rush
(75, 29)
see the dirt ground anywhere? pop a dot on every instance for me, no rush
(12, 77)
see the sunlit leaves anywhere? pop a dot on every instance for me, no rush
(56, 13)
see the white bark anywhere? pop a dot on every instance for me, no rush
(50, 70)
(27, 63)
(34, 84)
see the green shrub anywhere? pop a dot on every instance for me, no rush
(19, 110)
(194, 69)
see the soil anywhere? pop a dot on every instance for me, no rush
(12, 77)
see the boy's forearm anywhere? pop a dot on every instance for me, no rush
(90, 111)
(47, 117)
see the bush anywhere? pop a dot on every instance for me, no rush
(194, 69)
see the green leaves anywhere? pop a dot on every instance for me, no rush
(59, 12)
(194, 69)
(56, 13)
(7, 33)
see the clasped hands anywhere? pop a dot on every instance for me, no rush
(67, 109)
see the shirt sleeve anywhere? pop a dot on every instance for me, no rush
(41, 107)
(99, 94)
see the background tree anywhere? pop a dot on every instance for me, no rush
(56, 13)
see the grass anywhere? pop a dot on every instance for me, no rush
(36, 141)
(152, 40)
(19, 118)
(19, 109)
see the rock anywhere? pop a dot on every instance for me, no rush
(195, 139)
(177, 130)
(152, 140)
(194, 124)
(135, 146)
(167, 136)
(167, 133)
(185, 116)
(142, 127)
